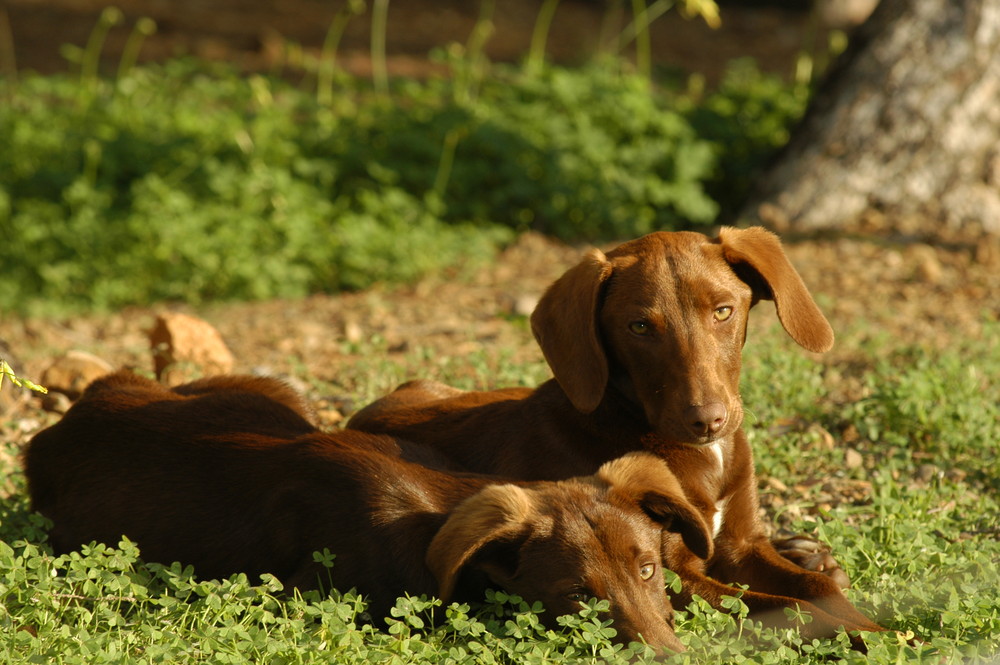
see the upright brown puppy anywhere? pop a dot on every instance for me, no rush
(645, 344)
(227, 475)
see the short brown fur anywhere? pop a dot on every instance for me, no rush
(645, 346)
(228, 475)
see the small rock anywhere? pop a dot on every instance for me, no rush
(956, 475)
(524, 305)
(329, 416)
(399, 346)
(12, 398)
(853, 459)
(928, 266)
(54, 402)
(926, 472)
(826, 440)
(353, 332)
(71, 373)
(185, 347)
(776, 484)
(27, 425)
(850, 433)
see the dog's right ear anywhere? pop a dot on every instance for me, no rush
(645, 481)
(496, 516)
(565, 325)
(758, 258)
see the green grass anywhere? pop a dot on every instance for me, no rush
(923, 550)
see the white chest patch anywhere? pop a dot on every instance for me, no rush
(716, 449)
(719, 518)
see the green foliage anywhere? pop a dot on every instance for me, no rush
(186, 181)
(747, 120)
(578, 153)
(911, 406)
(7, 372)
(931, 402)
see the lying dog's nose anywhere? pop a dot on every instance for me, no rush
(705, 419)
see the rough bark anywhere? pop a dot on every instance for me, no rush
(907, 124)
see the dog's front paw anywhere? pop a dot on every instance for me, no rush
(807, 552)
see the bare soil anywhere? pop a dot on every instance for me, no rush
(273, 35)
(910, 292)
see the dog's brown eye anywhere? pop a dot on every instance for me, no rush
(640, 327)
(577, 596)
(647, 570)
(723, 313)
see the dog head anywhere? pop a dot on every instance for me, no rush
(662, 320)
(564, 542)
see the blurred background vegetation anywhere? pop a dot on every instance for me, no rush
(130, 174)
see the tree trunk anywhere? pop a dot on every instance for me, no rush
(907, 124)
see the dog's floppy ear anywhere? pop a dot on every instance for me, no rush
(646, 481)
(494, 519)
(565, 325)
(756, 255)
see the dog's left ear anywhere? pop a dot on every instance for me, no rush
(495, 521)
(757, 257)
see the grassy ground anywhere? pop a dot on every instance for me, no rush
(887, 449)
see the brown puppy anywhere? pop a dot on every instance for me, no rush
(645, 344)
(227, 475)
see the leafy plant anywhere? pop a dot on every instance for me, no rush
(6, 372)
(581, 154)
(747, 119)
(186, 181)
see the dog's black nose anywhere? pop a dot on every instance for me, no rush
(706, 419)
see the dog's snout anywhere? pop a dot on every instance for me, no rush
(706, 419)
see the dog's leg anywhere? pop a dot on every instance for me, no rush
(769, 608)
(811, 554)
(755, 562)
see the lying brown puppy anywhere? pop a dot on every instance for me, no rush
(645, 344)
(227, 475)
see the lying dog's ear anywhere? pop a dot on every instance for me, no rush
(756, 256)
(646, 481)
(492, 521)
(565, 325)
(679, 516)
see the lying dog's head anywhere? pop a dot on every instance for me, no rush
(564, 542)
(662, 320)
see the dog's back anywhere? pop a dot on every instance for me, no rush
(228, 480)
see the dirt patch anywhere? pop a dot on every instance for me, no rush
(912, 293)
(274, 36)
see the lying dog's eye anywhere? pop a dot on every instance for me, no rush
(578, 596)
(647, 570)
(640, 327)
(723, 313)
